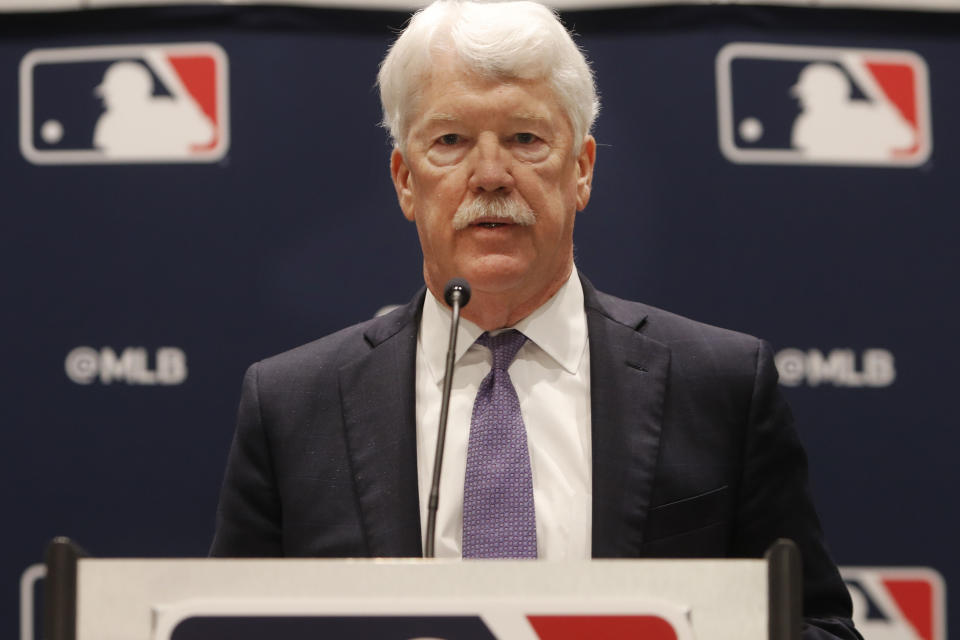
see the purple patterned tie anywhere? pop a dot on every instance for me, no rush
(498, 515)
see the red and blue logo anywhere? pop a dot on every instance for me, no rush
(124, 104)
(790, 104)
(550, 627)
(897, 603)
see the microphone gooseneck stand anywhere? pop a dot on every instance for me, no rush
(457, 295)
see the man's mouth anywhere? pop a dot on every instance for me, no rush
(493, 213)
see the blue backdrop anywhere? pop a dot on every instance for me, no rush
(136, 291)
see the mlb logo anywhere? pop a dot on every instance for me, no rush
(457, 616)
(784, 104)
(897, 603)
(144, 103)
(423, 627)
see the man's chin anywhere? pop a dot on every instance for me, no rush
(496, 274)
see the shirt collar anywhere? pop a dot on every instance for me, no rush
(558, 327)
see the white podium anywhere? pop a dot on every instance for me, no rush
(293, 599)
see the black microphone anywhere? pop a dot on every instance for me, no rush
(457, 291)
(457, 295)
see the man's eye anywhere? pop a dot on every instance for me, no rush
(525, 138)
(450, 138)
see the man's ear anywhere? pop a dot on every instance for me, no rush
(402, 182)
(585, 162)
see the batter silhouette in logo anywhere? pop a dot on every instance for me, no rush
(138, 123)
(834, 126)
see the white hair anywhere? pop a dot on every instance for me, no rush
(510, 40)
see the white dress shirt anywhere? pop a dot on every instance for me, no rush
(551, 374)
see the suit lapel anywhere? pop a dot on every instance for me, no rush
(628, 376)
(378, 399)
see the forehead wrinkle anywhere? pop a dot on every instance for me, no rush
(528, 116)
(442, 117)
(524, 116)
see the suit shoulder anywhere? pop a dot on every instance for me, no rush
(694, 346)
(329, 348)
(668, 327)
(707, 363)
(326, 355)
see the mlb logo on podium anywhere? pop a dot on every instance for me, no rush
(898, 603)
(786, 104)
(426, 627)
(127, 104)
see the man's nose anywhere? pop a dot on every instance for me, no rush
(491, 170)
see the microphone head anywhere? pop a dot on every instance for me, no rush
(459, 286)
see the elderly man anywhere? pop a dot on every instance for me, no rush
(580, 425)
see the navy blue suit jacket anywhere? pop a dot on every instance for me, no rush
(694, 452)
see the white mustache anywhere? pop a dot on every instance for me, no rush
(486, 207)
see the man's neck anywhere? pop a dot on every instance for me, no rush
(495, 310)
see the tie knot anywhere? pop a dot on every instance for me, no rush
(504, 347)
